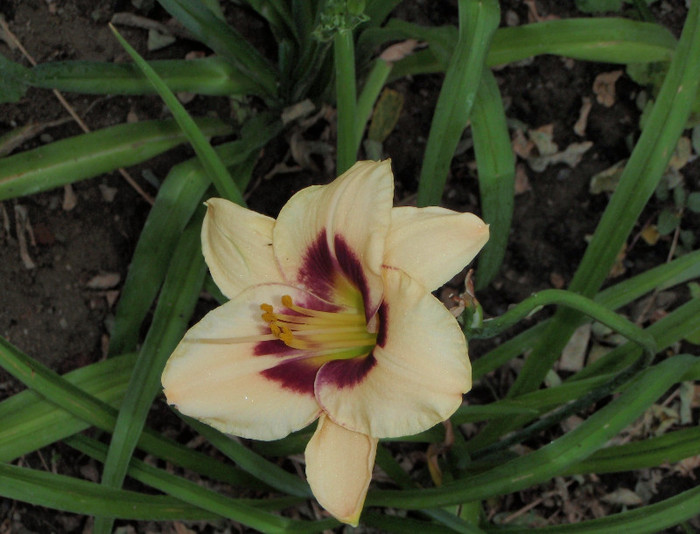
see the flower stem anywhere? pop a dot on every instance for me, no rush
(344, 53)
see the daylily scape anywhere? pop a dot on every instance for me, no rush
(330, 317)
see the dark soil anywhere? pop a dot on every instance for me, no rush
(51, 312)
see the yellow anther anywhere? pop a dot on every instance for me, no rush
(321, 331)
(286, 335)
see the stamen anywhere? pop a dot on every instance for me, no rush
(343, 334)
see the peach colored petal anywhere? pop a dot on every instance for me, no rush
(433, 244)
(221, 375)
(339, 466)
(237, 245)
(415, 376)
(339, 228)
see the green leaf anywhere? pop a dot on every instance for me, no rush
(60, 492)
(693, 202)
(177, 200)
(477, 22)
(225, 41)
(251, 462)
(245, 511)
(496, 163)
(63, 394)
(210, 160)
(609, 40)
(553, 458)
(12, 84)
(87, 155)
(667, 222)
(175, 306)
(651, 452)
(207, 76)
(640, 178)
(644, 520)
(598, 6)
(29, 422)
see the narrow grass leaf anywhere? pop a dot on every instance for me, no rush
(225, 41)
(496, 163)
(606, 40)
(205, 152)
(587, 39)
(30, 422)
(665, 332)
(62, 394)
(87, 155)
(207, 76)
(554, 458)
(663, 276)
(177, 200)
(242, 511)
(368, 97)
(175, 306)
(477, 22)
(651, 452)
(495, 326)
(68, 494)
(12, 80)
(251, 462)
(637, 183)
(645, 520)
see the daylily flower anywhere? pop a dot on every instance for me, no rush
(330, 317)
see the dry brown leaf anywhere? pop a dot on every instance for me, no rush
(24, 229)
(556, 280)
(5, 220)
(70, 201)
(533, 15)
(180, 528)
(650, 234)
(297, 111)
(618, 268)
(681, 154)
(103, 281)
(543, 137)
(522, 146)
(607, 180)
(623, 496)
(108, 193)
(582, 122)
(399, 51)
(604, 87)
(522, 182)
(571, 156)
(686, 466)
(574, 354)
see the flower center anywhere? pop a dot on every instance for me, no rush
(342, 334)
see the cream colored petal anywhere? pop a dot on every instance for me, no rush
(419, 371)
(338, 228)
(433, 244)
(237, 245)
(221, 375)
(339, 466)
